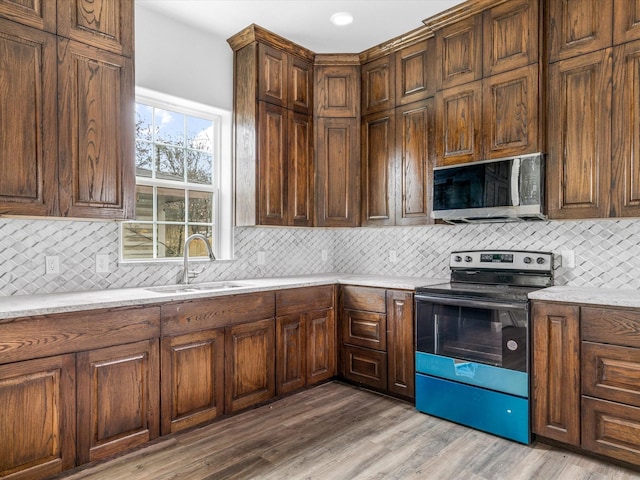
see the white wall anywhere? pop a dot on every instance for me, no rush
(179, 60)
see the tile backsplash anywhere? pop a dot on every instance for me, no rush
(607, 253)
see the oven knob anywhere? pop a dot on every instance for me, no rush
(457, 258)
(527, 260)
(467, 258)
(540, 260)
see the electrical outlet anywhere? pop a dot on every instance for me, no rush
(51, 265)
(262, 258)
(325, 256)
(568, 259)
(393, 256)
(102, 263)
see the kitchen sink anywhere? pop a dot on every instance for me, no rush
(197, 288)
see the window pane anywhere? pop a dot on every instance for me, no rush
(137, 241)
(170, 165)
(144, 122)
(171, 205)
(144, 158)
(197, 248)
(169, 127)
(199, 133)
(200, 207)
(199, 167)
(144, 203)
(170, 240)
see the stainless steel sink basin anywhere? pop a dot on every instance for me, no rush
(198, 288)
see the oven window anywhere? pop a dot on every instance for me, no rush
(493, 337)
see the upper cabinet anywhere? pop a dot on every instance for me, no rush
(378, 84)
(70, 99)
(273, 122)
(626, 21)
(415, 75)
(459, 52)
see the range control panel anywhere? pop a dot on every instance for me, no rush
(502, 260)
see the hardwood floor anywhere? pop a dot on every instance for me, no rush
(336, 431)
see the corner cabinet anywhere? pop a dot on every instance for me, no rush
(71, 146)
(273, 95)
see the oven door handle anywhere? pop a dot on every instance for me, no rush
(466, 302)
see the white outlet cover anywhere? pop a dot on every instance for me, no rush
(102, 263)
(51, 265)
(262, 258)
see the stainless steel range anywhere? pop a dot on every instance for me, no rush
(472, 340)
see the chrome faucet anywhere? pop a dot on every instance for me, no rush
(191, 274)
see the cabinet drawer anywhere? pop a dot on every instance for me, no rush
(364, 298)
(300, 300)
(611, 429)
(611, 372)
(364, 329)
(365, 366)
(610, 325)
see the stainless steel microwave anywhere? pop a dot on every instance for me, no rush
(502, 190)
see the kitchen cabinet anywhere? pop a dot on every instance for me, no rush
(40, 14)
(578, 27)
(305, 337)
(118, 399)
(415, 76)
(586, 385)
(459, 52)
(378, 84)
(38, 417)
(273, 101)
(249, 364)
(192, 379)
(71, 106)
(626, 21)
(376, 328)
(337, 86)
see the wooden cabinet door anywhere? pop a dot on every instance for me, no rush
(338, 172)
(105, 24)
(378, 85)
(510, 117)
(625, 116)
(300, 170)
(118, 399)
(576, 27)
(300, 85)
(378, 153)
(291, 361)
(192, 379)
(95, 147)
(400, 340)
(40, 14)
(365, 366)
(459, 52)
(626, 21)
(579, 137)
(272, 164)
(321, 345)
(458, 124)
(510, 36)
(415, 75)
(28, 121)
(337, 90)
(37, 418)
(414, 172)
(272, 75)
(249, 364)
(556, 372)
(364, 329)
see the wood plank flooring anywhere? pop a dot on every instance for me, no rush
(339, 432)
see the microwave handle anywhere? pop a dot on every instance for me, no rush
(515, 182)
(474, 303)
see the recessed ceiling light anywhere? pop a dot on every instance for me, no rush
(341, 18)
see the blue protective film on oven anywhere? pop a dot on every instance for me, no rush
(473, 373)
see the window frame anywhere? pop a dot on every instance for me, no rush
(222, 207)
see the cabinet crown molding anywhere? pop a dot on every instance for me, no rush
(255, 33)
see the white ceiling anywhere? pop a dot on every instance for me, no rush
(306, 22)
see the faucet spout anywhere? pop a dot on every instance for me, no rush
(187, 273)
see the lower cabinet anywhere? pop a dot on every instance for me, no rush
(192, 379)
(37, 417)
(585, 377)
(118, 399)
(377, 344)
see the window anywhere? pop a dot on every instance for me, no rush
(182, 180)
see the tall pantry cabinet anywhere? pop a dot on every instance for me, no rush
(66, 114)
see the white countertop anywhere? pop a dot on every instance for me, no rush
(589, 295)
(16, 306)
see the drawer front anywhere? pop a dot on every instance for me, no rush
(364, 298)
(364, 329)
(611, 325)
(368, 367)
(611, 429)
(611, 372)
(307, 299)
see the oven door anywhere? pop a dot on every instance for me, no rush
(478, 342)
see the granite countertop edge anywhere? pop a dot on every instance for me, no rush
(606, 297)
